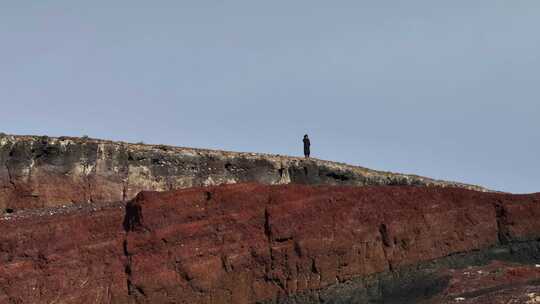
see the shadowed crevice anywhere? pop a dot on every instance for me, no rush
(502, 225)
(133, 219)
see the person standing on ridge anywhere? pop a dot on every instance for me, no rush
(307, 145)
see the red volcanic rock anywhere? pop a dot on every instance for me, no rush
(520, 217)
(246, 243)
(61, 256)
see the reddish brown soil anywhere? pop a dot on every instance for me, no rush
(246, 243)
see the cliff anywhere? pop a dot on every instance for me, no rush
(38, 172)
(253, 243)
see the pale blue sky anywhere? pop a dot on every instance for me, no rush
(448, 89)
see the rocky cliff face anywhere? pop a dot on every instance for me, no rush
(251, 243)
(40, 172)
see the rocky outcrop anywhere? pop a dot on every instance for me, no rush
(249, 243)
(495, 283)
(38, 172)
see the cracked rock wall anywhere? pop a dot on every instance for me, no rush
(43, 171)
(247, 243)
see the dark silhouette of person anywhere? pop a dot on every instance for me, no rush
(307, 145)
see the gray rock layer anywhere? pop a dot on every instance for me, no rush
(44, 171)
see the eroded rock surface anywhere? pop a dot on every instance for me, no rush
(38, 172)
(252, 243)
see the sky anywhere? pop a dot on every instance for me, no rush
(446, 89)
